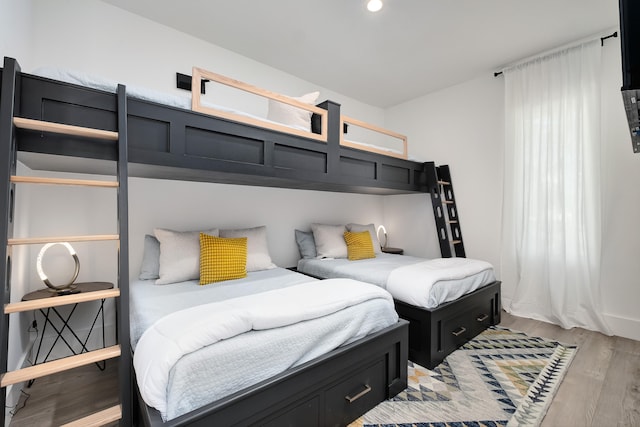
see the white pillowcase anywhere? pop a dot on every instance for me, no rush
(290, 115)
(258, 257)
(179, 254)
(371, 228)
(329, 240)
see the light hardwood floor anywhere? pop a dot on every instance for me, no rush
(602, 386)
(67, 396)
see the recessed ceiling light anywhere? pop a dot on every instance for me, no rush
(374, 5)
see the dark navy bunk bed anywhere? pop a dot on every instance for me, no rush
(172, 143)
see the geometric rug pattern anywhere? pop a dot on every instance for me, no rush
(499, 378)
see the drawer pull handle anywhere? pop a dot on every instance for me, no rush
(482, 317)
(460, 331)
(352, 399)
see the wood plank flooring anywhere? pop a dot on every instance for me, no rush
(602, 386)
(67, 396)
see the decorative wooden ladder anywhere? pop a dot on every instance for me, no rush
(10, 126)
(446, 213)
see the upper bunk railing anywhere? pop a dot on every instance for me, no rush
(401, 154)
(199, 74)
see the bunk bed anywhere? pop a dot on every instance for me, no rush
(170, 142)
(447, 301)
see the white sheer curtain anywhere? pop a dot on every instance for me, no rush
(551, 208)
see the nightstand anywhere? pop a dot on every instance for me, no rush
(52, 313)
(397, 251)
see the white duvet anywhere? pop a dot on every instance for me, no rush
(433, 282)
(186, 331)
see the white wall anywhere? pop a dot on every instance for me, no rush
(463, 126)
(193, 206)
(620, 270)
(15, 29)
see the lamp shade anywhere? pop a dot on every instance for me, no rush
(384, 236)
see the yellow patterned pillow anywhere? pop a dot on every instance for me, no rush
(222, 258)
(359, 245)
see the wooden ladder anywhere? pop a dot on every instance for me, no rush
(446, 213)
(10, 128)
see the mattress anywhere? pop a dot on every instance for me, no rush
(413, 280)
(96, 82)
(229, 365)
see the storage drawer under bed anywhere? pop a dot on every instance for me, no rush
(351, 398)
(436, 333)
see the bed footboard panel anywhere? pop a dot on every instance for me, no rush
(334, 389)
(436, 333)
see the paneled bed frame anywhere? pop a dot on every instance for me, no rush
(167, 142)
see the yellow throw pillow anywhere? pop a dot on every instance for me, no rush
(359, 245)
(222, 258)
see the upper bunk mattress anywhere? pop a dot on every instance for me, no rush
(145, 94)
(416, 281)
(197, 344)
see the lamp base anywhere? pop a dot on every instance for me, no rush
(68, 291)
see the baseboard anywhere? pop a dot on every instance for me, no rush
(623, 326)
(620, 326)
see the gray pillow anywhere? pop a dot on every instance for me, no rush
(150, 269)
(306, 244)
(329, 240)
(258, 257)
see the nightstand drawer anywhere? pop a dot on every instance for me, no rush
(352, 397)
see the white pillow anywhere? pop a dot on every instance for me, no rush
(371, 228)
(290, 115)
(179, 254)
(258, 257)
(329, 240)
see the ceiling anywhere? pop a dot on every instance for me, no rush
(406, 50)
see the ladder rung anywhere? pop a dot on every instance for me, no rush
(39, 240)
(444, 183)
(62, 181)
(59, 365)
(55, 301)
(60, 128)
(453, 221)
(455, 242)
(447, 202)
(99, 418)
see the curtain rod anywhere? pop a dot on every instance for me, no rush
(602, 39)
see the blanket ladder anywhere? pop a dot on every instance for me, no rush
(446, 214)
(10, 129)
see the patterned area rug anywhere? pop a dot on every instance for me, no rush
(500, 378)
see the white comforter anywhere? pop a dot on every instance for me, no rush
(186, 331)
(431, 283)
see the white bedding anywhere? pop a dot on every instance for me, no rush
(436, 281)
(262, 331)
(96, 82)
(429, 285)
